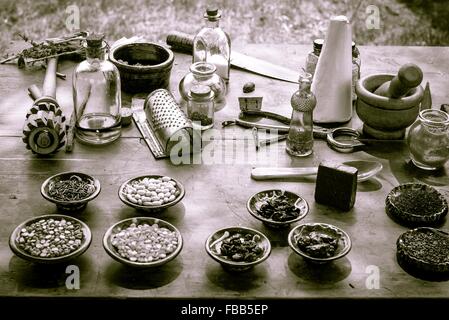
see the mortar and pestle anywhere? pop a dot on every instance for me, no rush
(387, 104)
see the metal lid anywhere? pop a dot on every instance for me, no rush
(200, 91)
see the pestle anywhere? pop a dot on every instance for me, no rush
(409, 76)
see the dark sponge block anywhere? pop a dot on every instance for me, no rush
(336, 185)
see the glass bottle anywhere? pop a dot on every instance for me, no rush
(200, 107)
(356, 63)
(96, 95)
(213, 45)
(312, 57)
(428, 139)
(300, 135)
(204, 73)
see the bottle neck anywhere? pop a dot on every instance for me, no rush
(95, 53)
(212, 23)
(202, 70)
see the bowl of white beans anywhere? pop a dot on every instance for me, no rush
(151, 192)
(143, 242)
(50, 239)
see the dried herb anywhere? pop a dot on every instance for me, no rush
(241, 247)
(73, 189)
(419, 202)
(277, 207)
(203, 119)
(317, 244)
(427, 245)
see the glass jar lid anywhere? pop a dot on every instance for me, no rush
(201, 92)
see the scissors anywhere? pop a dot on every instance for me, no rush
(353, 138)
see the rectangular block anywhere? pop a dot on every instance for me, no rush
(336, 185)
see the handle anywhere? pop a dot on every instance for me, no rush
(180, 41)
(408, 77)
(267, 173)
(34, 92)
(49, 86)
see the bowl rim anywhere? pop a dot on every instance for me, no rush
(113, 254)
(274, 222)
(19, 252)
(74, 202)
(162, 65)
(230, 263)
(179, 185)
(390, 202)
(295, 248)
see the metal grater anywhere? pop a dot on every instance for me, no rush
(159, 118)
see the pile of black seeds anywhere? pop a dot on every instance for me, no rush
(419, 202)
(427, 245)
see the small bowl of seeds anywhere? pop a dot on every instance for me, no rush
(50, 239)
(143, 242)
(70, 191)
(151, 192)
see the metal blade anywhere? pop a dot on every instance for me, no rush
(263, 67)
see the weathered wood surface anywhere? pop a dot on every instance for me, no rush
(215, 197)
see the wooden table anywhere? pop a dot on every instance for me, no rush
(215, 197)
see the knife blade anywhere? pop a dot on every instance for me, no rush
(183, 42)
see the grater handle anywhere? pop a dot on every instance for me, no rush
(180, 41)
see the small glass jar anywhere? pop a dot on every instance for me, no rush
(200, 107)
(204, 73)
(428, 139)
(356, 62)
(312, 57)
(300, 134)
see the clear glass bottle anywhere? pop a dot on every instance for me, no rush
(300, 135)
(96, 95)
(204, 73)
(428, 139)
(356, 63)
(200, 107)
(312, 57)
(213, 45)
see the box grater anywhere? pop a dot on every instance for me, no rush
(161, 122)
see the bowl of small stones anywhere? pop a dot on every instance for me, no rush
(151, 192)
(50, 239)
(143, 242)
(70, 191)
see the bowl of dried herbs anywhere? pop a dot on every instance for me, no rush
(70, 191)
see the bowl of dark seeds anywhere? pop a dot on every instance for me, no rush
(70, 191)
(50, 239)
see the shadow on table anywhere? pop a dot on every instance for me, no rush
(236, 281)
(141, 279)
(47, 276)
(174, 215)
(329, 273)
(370, 185)
(278, 236)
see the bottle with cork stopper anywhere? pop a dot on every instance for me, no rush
(213, 45)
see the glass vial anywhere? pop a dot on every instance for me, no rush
(428, 139)
(204, 73)
(96, 95)
(312, 57)
(300, 135)
(213, 45)
(356, 62)
(200, 107)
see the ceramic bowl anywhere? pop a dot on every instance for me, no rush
(14, 240)
(71, 205)
(121, 225)
(213, 244)
(150, 208)
(343, 241)
(255, 201)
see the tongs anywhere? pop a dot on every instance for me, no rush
(353, 140)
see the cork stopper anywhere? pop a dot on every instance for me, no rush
(95, 40)
(212, 14)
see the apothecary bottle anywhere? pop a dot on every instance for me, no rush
(96, 95)
(356, 63)
(213, 45)
(300, 135)
(200, 107)
(204, 73)
(428, 139)
(313, 56)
